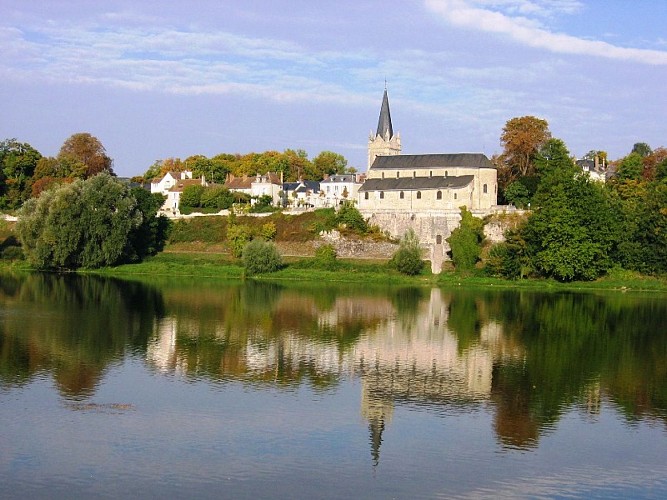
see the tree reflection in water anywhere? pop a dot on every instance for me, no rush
(528, 356)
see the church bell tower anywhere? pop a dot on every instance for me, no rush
(383, 142)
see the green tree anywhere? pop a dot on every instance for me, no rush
(84, 224)
(574, 232)
(326, 257)
(151, 235)
(328, 163)
(17, 166)
(191, 197)
(517, 194)
(86, 150)
(408, 258)
(218, 197)
(261, 257)
(466, 241)
(238, 235)
(348, 217)
(642, 149)
(631, 167)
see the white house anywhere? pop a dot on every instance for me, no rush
(339, 188)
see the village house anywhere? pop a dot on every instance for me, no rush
(172, 185)
(340, 188)
(301, 194)
(268, 184)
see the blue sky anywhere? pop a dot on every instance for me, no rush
(158, 79)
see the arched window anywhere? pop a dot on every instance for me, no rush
(456, 196)
(383, 175)
(402, 195)
(446, 173)
(414, 174)
(419, 195)
(398, 174)
(366, 195)
(485, 189)
(438, 196)
(430, 173)
(382, 195)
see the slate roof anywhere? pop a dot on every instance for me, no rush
(417, 183)
(448, 160)
(384, 122)
(340, 178)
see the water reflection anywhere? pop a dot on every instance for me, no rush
(528, 357)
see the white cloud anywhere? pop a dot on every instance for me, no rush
(482, 16)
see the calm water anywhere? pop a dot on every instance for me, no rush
(182, 389)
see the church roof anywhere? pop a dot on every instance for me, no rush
(470, 160)
(384, 123)
(417, 183)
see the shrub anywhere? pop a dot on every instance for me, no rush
(268, 231)
(466, 241)
(350, 218)
(238, 236)
(261, 257)
(191, 196)
(408, 258)
(326, 257)
(217, 197)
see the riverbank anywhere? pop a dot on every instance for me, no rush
(221, 266)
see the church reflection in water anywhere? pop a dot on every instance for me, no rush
(425, 348)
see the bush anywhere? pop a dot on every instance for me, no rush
(261, 257)
(238, 236)
(350, 218)
(326, 257)
(191, 196)
(408, 258)
(466, 241)
(217, 197)
(268, 231)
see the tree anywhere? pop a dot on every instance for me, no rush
(191, 196)
(17, 166)
(408, 258)
(89, 223)
(151, 235)
(517, 194)
(328, 163)
(217, 197)
(573, 234)
(642, 149)
(553, 164)
(521, 139)
(261, 257)
(466, 241)
(631, 167)
(88, 151)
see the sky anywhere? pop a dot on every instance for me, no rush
(154, 79)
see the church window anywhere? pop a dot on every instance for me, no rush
(419, 195)
(383, 175)
(456, 196)
(430, 173)
(485, 189)
(402, 195)
(446, 173)
(398, 174)
(414, 174)
(382, 195)
(366, 195)
(439, 195)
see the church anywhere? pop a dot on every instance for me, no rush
(423, 182)
(423, 192)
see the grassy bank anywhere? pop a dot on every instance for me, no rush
(206, 265)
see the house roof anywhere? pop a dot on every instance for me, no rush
(244, 182)
(301, 186)
(340, 178)
(181, 184)
(448, 160)
(417, 183)
(384, 122)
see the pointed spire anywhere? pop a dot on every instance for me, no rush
(385, 129)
